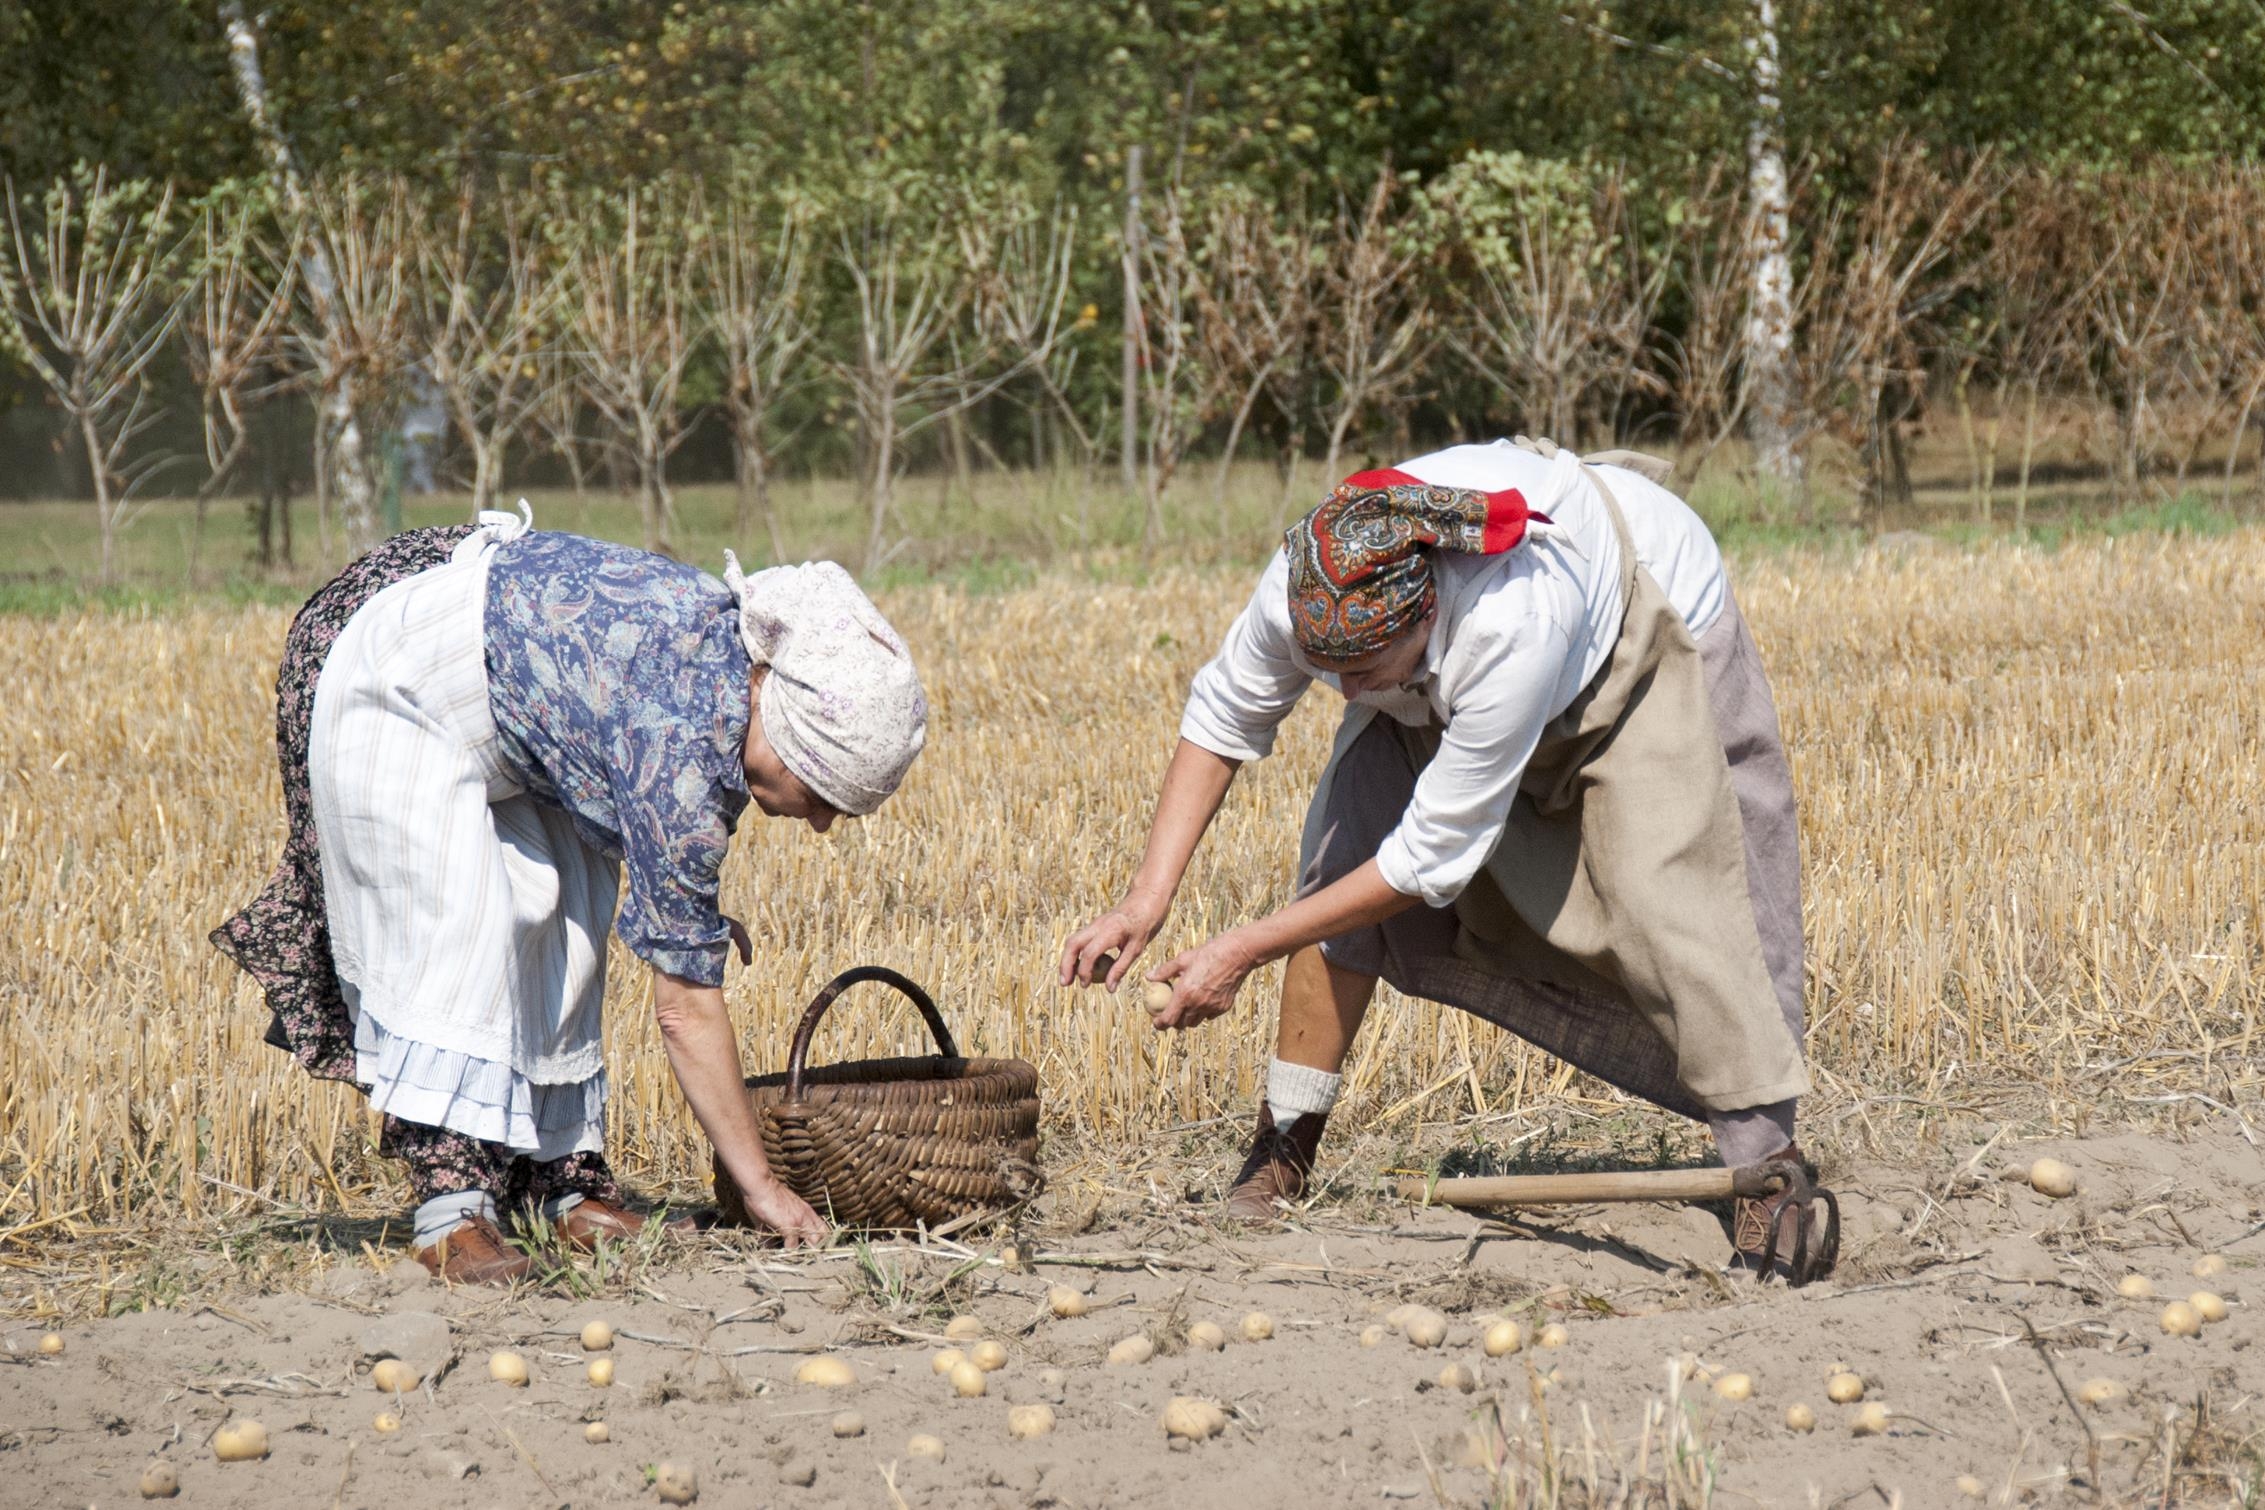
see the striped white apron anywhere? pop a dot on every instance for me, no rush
(468, 922)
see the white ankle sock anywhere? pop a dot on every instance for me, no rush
(1294, 1090)
(443, 1214)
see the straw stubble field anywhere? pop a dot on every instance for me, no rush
(2033, 856)
(2029, 791)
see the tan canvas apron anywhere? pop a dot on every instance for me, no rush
(1622, 869)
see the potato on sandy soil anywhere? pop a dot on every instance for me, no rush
(1194, 1419)
(988, 1356)
(240, 1442)
(1735, 1386)
(2181, 1319)
(825, 1372)
(2099, 1391)
(922, 1445)
(2052, 1177)
(393, 1377)
(1206, 1337)
(1134, 1349)
(1554, 1335)
(1844, 1388)
(1870, 1420)
(600, 1373)
(2207, 1306)
(1800, 1417)
(159, 1481)
(1027, 1421)
(507, 1367)
(1374, 1333)
(2135, 1287)
(945, 1361)
(1503, 1338)
(968, 1381)
(963, 1329)
(1257, 1327)
(51, 1345)
(2208, 1266)
(1066, 1303)
(597, 1336)
(849, 1424)
(1459, 1378)
(1424, 1327)
(596, 1434)
(675, 1485)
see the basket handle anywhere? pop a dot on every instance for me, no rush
(825, 999)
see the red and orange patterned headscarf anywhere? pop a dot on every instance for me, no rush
(1359, 572)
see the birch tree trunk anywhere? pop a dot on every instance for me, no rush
(1769, 321)
(1129, 408)
(348, 459)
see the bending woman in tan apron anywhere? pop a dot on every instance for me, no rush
(1558, 801)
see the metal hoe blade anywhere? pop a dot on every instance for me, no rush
(1812, 1207)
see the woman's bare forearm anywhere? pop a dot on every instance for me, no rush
(702, 1049)
(1195, 783)
(1352, 901)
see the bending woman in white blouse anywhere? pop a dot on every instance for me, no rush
(1558, 800)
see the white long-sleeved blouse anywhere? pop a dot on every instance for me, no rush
(1516, 639)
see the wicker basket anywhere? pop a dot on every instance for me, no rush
(893, 1143)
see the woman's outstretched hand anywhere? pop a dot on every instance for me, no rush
(787, 1214)
(1110, 943)
(1204, 981)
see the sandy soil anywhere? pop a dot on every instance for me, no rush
(1967, 1303)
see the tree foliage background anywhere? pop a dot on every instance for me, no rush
(1297, 106)
(1295, 95)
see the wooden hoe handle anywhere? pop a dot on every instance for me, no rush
(1577, 1189)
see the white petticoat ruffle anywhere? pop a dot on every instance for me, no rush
(480, 1098)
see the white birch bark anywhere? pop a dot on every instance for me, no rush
(1769, 321)
(349, 464)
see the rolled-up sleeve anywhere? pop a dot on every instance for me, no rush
(1508, 677)
(1242, 694)
(676, 822)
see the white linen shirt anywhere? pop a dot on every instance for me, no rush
(1517, 637)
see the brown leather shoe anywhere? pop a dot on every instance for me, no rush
(589, 1222)
(475, 1253)
(1280, 1163)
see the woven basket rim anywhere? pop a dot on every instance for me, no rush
(895, 1070)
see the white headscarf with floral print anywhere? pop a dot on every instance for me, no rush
(842, 704)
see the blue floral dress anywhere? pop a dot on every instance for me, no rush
(620, 692)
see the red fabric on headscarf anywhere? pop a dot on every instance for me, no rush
(1359, 572)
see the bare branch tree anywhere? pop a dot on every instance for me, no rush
(1021, 304)
(633, 332)
(1254, 310)
(1178, 390)
(1373, 316)
(89, 303)
(346, 338)
(328, 337)
(558, 410)
(2136, 308)
(754, 295)
(488, 291)
(917, 265)
(1704, 359)
(1867, 296)
(240, 295)
(2239, 264)
(1540, 302)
